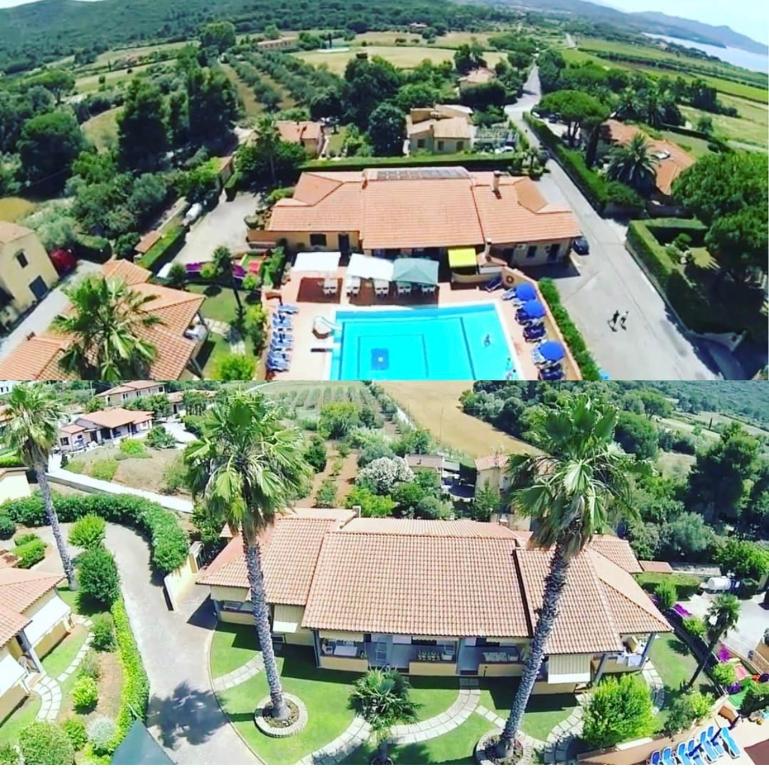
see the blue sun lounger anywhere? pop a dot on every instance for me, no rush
(706, 747)
(731, 745)
(714, 737)
(682, 754)
(290, 309)
(493, 284)
(654, 758)
(694, 752)
(667, 757)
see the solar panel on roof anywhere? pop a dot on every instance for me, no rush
(417, 174)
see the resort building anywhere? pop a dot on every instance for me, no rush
(26, 272)
(104, 426)
(491, 472)
(442, 129)
(473, 218)
(446, 469)
(672, 161)
(130, 390)
(33, 619)
(305, 132)
(178, 338)
(438, 598)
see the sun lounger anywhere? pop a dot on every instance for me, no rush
(729, 743)
(694, 752)
(493, 284)
(666, 757)
(508, 294)
(427, 288)
(706, 747)
(714, 737)
(682, 754)
(291, 309)
(654, 758)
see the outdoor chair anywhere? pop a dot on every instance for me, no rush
(353, 286)
(729, 743)
(666, 757)
(682, 754)
(654, 758)
(714, 737)
(290, 309)
(706, 747)
(493, 284)
(693, 750)
(427, 288)
(403, 288)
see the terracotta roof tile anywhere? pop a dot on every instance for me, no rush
(295, 131)
(655, 566)
(116, 417)
(20, 588)
(618, 551)
(148, 241)
(11, 622)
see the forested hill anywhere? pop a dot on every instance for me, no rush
(48, 29)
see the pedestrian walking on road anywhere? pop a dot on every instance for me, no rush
(623, 320)
(613, 321)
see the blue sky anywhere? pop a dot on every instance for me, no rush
(751, 17)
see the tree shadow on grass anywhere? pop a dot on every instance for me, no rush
(212, 290)
(189, 715)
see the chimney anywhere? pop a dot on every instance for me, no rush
(495, 183)
(356, 511)
(487, 250)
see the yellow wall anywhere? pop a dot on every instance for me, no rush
(543, 687)
(52, 639)
(300, 241)
(16, 279)
(448, 669)
(13, 485)
(236, 594)
(11, 699)
(14, 648)
(236, 618)
(500, 670)
(345, 664)
(304, 637)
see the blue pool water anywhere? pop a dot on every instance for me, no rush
(425, 343)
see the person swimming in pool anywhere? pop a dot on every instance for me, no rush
(487, 340)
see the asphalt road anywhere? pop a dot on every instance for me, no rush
(653, 346)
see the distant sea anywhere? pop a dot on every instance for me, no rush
(757, 62)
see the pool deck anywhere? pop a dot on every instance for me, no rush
(308, 365)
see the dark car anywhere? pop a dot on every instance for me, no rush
(581, 246)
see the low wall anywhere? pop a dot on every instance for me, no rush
(179, 581)
(448, 669)
(343, 664)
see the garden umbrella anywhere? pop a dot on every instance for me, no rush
(525, 292)
(534, 309)
(552, 351)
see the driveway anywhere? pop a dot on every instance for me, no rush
(609, 279)
(41, 317)
(178, 432)
(183, 713)
(222, 226)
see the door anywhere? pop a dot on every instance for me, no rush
(552, 252)
(344, 244)
(38, 288)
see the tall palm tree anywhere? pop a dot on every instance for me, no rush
(633, 164)
(578, 487)
(222, 261)
(247, 469)
(723, 615)
(108, 323)
(34, 412)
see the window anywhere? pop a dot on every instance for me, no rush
(21, 257)
(460, 146)
(440, 146)
(420, 143)
(532, 252)
(317, 238)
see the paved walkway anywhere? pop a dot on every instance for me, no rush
(653, 346)
(355, 735)
(237, 344)
(240, 675)
(530, 744)
(92, 485)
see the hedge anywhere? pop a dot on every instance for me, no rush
(164, 249)
(571, 334)
(134, 695)
(168, 541)
(232, 185)
(92, 248)
(466, 160)
(10, 461)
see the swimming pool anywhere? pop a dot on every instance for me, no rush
(460, 343)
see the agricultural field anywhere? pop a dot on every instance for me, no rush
(748, 130)
(101, 130)
(251, 105)
(404, 56)
(305, 399)
(675, 465)
(90, 82)
(435, 406)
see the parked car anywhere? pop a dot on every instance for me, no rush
(581, 246)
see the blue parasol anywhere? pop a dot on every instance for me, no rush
(533, 309)
(552, 351)
(525, 292)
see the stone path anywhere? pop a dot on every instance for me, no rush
(530, 744)
(240, 675)
(355, 735)
(48, 688)
(237, 345)
(464, 706)
(561, 738)
(654, 682)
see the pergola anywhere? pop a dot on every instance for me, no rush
(420, 271)
(370, 268)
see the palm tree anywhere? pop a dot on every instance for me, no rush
(108, 323)
(268, 141)
(723, 615)
(247, 469)
(578, 487)
(633, 164)
(222, 261)
(381, 697)
(34, 412)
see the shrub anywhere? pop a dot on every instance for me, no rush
(132, 446)
(25, 538)
(619, 709)
(134, 695)
(338, 419)
(75, 730)
(9, 755)
(623, 196)
(103, 469)
(103, 632)
(723, 674)
(88, 532)
(687, 709)
(30, 553)
(101, 734)
(175, 476)
(571, 334)
(371, 505)
(666, 595)
(746, 559)
(235, 367)
(7, 527)
(46, 744)
(164, 249)
(85, 694)
(158, 437)
(316, 454)
(10, 460)
(326, 496)
(695, 626)
(168, 541)
(90, 666)
(98, 577)
(756, 698)
(194, 424)
(382, 475)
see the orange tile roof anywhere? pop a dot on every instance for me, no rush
(116, 417)
(18, 590)
(11, 622)
(655, 566)
(38, 357)
(618, 551)
(498, 460)
(673, 160)
(422, 208)
(129, 386)
(295, 131)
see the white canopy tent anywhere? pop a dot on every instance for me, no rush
(326, 262)
(370, 268)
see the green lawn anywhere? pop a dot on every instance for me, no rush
(102, 129)
(325, 693)
(64, 653)
(219, 304)
(675, 664)
(543, 712)
(433, 694)
(453, 748)
(233, 646)
(19, 719)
